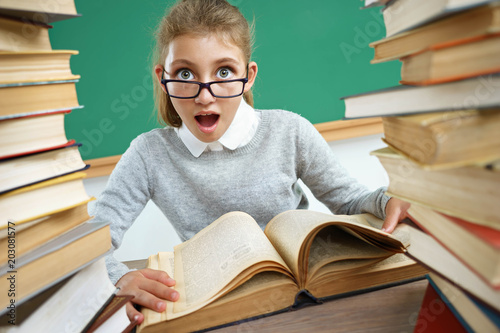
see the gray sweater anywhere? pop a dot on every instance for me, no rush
(259, 178)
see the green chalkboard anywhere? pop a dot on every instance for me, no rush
(310, 53)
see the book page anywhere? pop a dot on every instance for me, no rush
(151, 316)
(206, 264)
(287, 231)
(166, 264)
(291, 231)
(400, 233)
(334, 245)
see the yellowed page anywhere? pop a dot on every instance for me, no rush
(335, 245)
(163, 261)
(287, 231)
(290, 231)
(400, 234)
(166, 263)
(207, 263)
(151, 316)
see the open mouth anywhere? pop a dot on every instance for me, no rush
(207, 122)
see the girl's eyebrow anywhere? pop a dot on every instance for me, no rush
(226, 60)
(182, 62)
(185, 62)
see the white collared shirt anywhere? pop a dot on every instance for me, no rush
(239, 133)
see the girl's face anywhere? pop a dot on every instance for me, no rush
(205, 59)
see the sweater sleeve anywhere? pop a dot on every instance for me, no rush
(329, 181)
(125, 196)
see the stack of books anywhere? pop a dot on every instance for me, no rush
(442, 130)
(52, 255)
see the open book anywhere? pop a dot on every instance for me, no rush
(231, 270)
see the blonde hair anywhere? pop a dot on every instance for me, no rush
(198, 17)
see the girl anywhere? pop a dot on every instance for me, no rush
(217, 153)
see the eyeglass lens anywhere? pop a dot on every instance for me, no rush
(191, 89)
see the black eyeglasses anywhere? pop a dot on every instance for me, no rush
(191, 89)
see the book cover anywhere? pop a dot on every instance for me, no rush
(468, 192)
(403, 15)
(475, 22)
(45, 198)
(34, 168)
(405, 100)
(480, 254)
(472, 316)
(429, 253)
(453, 61)
(53, 261)
(18, 67)
(44, 96)
(436, 316)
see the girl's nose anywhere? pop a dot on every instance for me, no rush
(205, 97)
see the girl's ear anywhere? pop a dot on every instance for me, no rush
(159, 71)
(252, 74)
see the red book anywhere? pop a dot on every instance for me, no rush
(435, 316)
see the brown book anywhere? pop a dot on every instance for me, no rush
(446, 139)
(34, 168)
(402, 15)
(477, 92)
(231, 270)
(43, 97)
(427, 251)
(31, 235)
(42, 199)
(52, 262)
(35, 66)
(22, 35)
(467, 24)
(30, 134)
(73, 305)
(113, 318)
(39, 11)
(469, 192)
(452, 61)
(476, 246)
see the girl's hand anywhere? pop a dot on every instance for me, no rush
(395, 212)
(150, 288)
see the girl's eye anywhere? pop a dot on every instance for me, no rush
(185, 74)
(224, 73)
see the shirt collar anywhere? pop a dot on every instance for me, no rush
(243, 125)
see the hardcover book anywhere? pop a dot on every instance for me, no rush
(453, 61)
(53, 261)
(469, 192)
(43, 97)
(403, 15)
(231, 269)
(34, 168)
(405, 100)
(428, 252)
(472, 316)
(466, 24)
(446, 139)
(13, 36)
(39, 11)
(42, 199)
(478, 247)
(34, 66)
